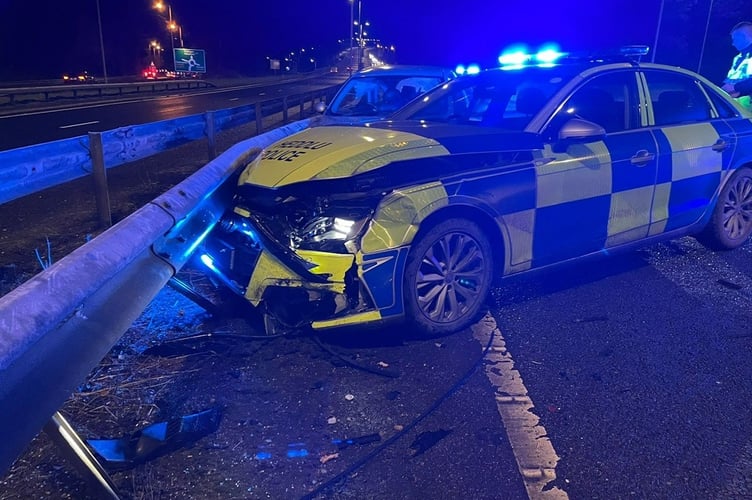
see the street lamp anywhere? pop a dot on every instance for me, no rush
(172, 26)
(155, 51)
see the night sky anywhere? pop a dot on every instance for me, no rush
(44, 38)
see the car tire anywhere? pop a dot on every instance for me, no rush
(448, 277)
(731, 221)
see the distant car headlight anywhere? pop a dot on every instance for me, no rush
(327, 233)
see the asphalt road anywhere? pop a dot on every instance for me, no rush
(26, 125)
(626, 376)
(639, 367)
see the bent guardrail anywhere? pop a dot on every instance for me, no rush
(57, 326)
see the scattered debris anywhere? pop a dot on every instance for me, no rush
(438, 344)
(591, 319)
(382, 364)
(349, 397)
(392, 395)
(157, 439)
(729, 284)
(46, 261)
(399, 428)
(426, 440)
(367, 439)
(331, 456)
(331, 420)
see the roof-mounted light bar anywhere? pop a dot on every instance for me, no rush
(518, 57)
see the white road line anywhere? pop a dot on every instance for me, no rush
(533, 451)
(79, 124)
(235, 99)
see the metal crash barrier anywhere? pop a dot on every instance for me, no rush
(58, 325)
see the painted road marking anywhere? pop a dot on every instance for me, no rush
(79, 124)
(533, 451)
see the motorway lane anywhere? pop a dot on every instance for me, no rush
(639, 367)
(21, 127)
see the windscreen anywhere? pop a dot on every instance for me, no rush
(497, 98)
(379, 96)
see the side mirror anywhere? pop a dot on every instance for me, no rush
(320, 107)
(578, 130)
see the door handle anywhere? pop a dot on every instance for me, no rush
(642, 158)
(720, 146)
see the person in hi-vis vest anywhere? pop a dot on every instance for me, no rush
(738, 82)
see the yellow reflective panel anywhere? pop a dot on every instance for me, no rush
(395, 221)
(583, 172)
(692, 154)
(659, 214)
(269, 270)
(519, 226)
(629, 215)
(333, 264)
(353, 319)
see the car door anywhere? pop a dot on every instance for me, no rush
(595, 193)
(691, 146)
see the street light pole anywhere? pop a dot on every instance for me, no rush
(360, 36)
(350, 31)
(171, 28)
(101, 42)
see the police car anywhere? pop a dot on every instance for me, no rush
(489, 175)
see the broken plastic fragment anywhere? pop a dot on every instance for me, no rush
(426, 440)
(157, 439)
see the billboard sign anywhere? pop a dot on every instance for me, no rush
(192, 60)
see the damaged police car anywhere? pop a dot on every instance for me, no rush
(488, 175)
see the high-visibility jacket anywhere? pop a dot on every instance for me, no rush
(740, 76)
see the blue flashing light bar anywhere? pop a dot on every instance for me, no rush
(518, 57)
(472, 69)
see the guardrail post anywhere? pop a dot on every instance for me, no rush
(302, 105)
(284, 109)
(210, 134)
(99, 172)
(259, 123)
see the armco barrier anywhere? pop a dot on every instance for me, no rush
(13, 95)
(24, 171)
(57, 326)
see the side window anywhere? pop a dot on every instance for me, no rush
(676, 99)
(609, 100)
(724, 109)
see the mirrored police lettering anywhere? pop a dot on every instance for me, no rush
(305, 144)
(282, 154)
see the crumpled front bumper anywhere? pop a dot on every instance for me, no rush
(293, 288)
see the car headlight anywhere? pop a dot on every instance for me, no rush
(327, 233)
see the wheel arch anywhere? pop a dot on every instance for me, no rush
(483, 218)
